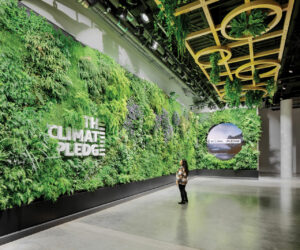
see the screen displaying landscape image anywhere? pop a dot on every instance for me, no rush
(224, 141)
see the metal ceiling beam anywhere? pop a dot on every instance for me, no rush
(207, 31)
(213, 29)
(257, 55)
(257, 39)
(257, 67)
(214, 32)
(191, 6)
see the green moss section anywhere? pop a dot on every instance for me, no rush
(48, 78)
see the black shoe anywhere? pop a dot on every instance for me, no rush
(182, 202)
(186, 201)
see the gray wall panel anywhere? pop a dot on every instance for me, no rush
(269, 160)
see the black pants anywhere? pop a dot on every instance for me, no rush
(183, 192)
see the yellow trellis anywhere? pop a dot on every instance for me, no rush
(275, 9)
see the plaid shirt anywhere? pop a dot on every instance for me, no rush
(181, 176)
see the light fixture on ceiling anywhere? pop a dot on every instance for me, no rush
(107, 7)
(107, 10)
(155, 45)
(291, 71)
(145, 18)
(283, 87)
(165, 58)
(139, 31)
(87, 3)
(84, 3)
(122, 13)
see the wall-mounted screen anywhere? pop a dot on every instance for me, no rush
(224, 141)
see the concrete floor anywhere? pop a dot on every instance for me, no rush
(221, 214)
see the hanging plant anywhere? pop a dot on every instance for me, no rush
(271, 88)
(233, 92)
(254, 98)
(249, 25)
(175, 27)
(256, 76)
(215, 69)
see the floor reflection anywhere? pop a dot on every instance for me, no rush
(224, 214)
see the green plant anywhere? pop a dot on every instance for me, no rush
(256, 76)
(233, 92)
(52, 79)
(271, 87)
(176, 27)
(249, 25)
(247, 120)
(215, 69)
(254, 98)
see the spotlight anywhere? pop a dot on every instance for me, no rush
(145, 18)
(154, 45)
(87, 3)
(122, 13)
(84, 3)
(107, 7)
(165, 58)
(283, 87)
(139, 31)
(291, 71)
(107, 10)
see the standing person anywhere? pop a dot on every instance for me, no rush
(182, 179)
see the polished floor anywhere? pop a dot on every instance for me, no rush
(221, 214)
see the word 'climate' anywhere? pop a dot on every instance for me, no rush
(80, 142)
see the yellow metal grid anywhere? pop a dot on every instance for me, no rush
(252, 60)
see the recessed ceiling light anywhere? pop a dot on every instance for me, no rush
(291, 71)
(145, 18)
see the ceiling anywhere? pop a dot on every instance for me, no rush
(185, 67)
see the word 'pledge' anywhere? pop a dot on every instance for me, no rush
(80, 142)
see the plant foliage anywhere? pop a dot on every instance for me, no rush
(48, 78)
(233, 92)
(256, 76)
(254, 98)
(176, 27)
(271, 87)
(215, 69)
(249, 25)
(247, 120)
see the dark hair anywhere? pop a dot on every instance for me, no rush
(185, 166)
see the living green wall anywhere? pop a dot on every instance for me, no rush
(250, 124)
(48, 78)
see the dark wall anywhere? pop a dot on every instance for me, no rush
(269, 146)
